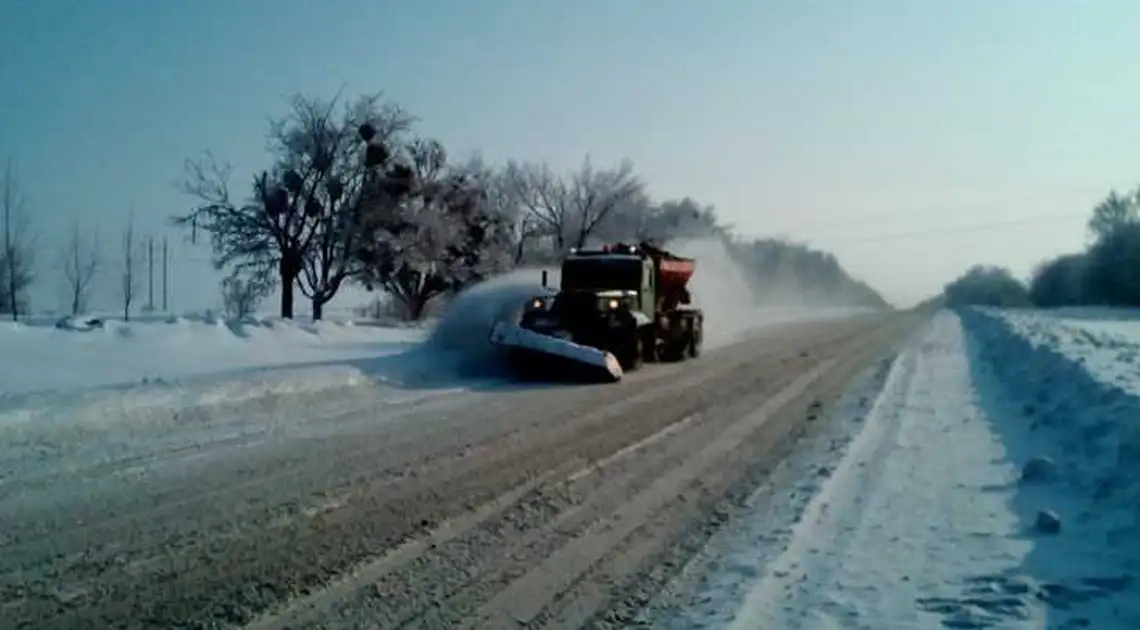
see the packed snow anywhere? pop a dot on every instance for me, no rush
(980, 478)
(113, 352)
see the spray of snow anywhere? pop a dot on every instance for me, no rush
(730, 294)
(720, 287)
(461, 337)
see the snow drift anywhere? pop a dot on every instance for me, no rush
(78, 355)
(1076, 409)
(1084, 408)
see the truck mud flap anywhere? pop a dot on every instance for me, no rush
(538, 356)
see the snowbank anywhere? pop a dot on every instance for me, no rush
(1092, 414)
(114, 353)
(1074, 409)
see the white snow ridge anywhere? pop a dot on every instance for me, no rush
(978, 480)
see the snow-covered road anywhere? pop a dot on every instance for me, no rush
(910, 511)
(477, 509)
(904, 507)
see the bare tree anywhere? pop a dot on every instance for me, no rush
(300, 218)
(543, 198)
(80, 258)
(633, 220)
(16, 256)
(128, 278)
(570, 209)
(241, 295)
(595, 193)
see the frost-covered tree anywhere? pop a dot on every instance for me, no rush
(1060, 281)
(426, 229)
(987, 285)
(1112, 272)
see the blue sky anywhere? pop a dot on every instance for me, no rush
(883, 131)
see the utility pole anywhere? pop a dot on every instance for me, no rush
(164, 276)
(9, 251)
(150, 274)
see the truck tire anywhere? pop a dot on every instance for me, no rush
(650, 350)
(694, 346)
(696, 337)
(631, 354)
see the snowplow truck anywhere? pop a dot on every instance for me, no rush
(617, 307)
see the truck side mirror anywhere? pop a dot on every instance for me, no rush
(544, 278)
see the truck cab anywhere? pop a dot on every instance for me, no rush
(624, 299)
(617, 280)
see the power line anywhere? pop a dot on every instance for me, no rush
(165, 275)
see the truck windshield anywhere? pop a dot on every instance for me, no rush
(602, 273)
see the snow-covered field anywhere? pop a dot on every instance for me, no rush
(1105, 341)
(927, 502)
(40, 358)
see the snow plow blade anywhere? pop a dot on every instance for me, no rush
(542, 356)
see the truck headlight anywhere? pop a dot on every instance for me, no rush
(613, 304)
(536, 304)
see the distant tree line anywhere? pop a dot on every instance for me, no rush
(1107, 273)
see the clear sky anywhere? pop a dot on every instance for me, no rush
(897, 134)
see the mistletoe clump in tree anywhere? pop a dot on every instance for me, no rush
(426, 229)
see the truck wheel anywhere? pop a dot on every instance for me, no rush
(696, 338)
(650, 352)
(631, 355)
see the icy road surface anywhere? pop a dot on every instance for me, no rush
(910, 511)
(379, 505)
